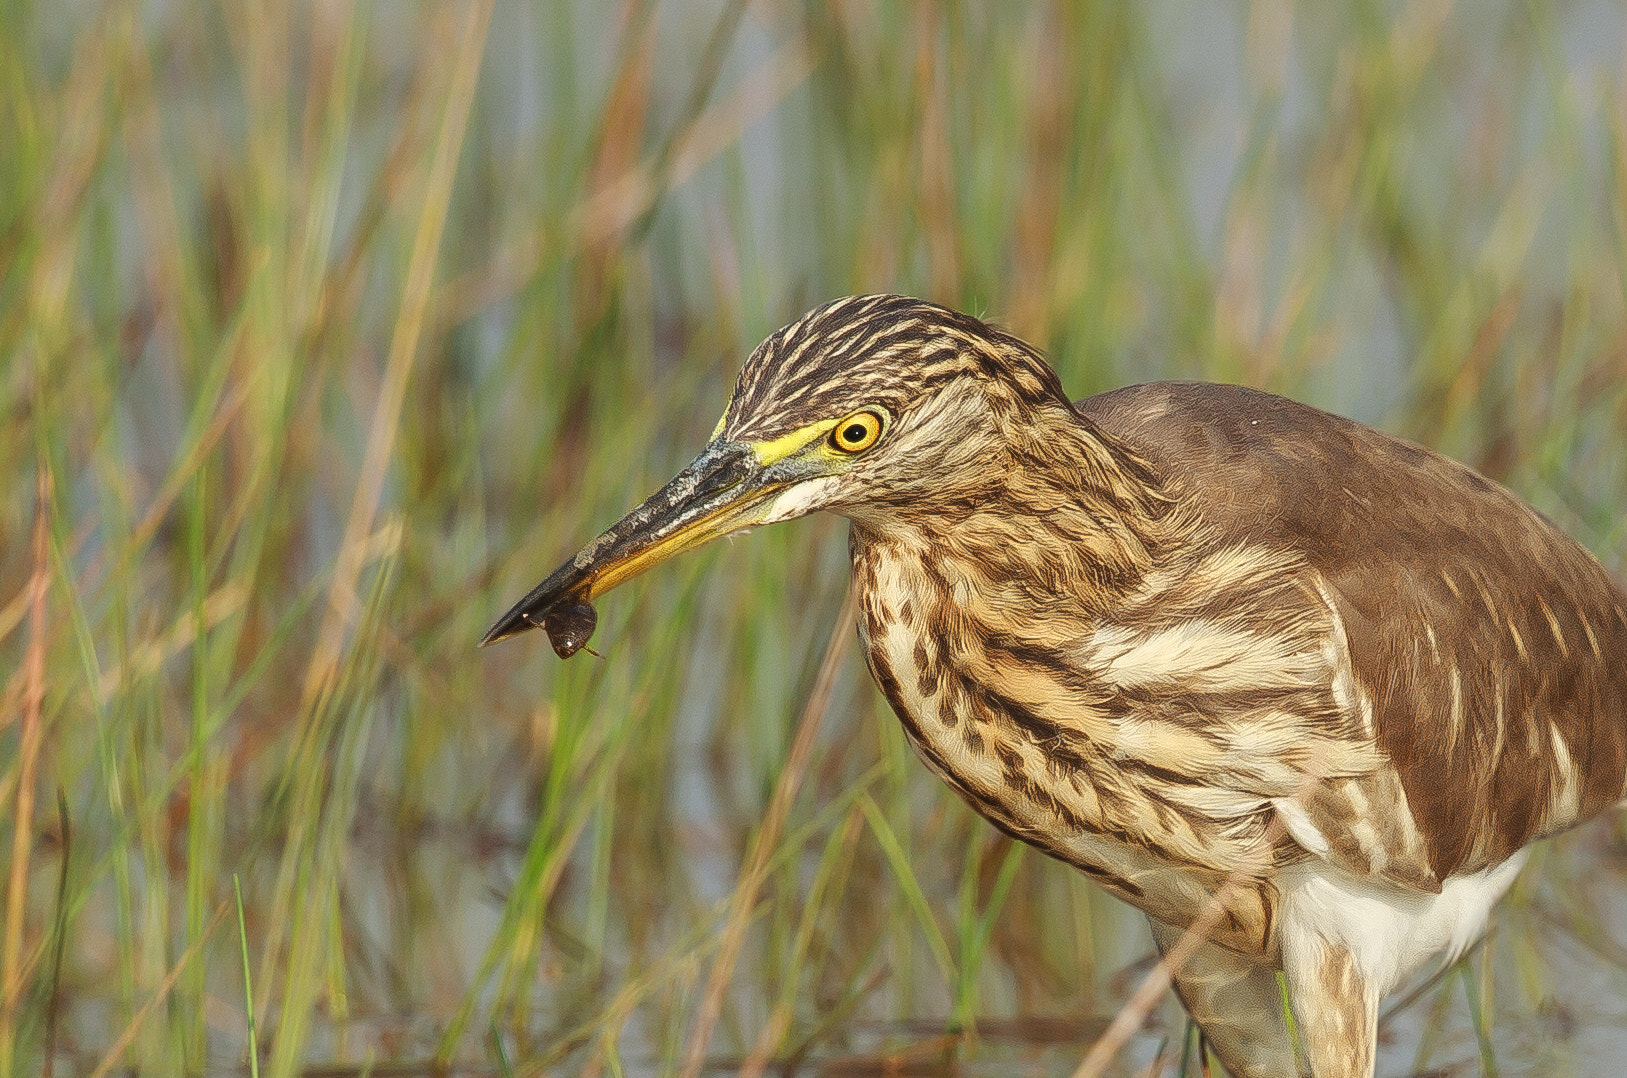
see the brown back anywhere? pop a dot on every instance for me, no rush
(1493, 646)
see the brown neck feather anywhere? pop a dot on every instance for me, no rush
(1065, 510)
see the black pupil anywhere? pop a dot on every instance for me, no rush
(854, 433)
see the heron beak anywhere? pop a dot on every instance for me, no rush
(723, 490)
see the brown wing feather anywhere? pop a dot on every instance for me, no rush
(1493, 647)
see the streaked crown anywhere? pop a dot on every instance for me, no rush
(892, 352)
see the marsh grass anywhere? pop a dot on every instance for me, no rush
(326, 330)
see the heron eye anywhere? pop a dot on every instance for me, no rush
(856, 433)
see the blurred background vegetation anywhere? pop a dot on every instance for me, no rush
(327, 329)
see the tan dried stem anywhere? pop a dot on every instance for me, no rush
(22, 835)
(762, 847)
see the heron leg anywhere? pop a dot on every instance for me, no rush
(1237, 1005)
(1335, 1006)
